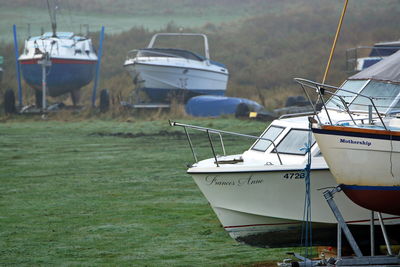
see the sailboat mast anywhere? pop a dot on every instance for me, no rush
(52, 14)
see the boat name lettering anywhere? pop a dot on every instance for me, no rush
(349, 141)
(294, 175)
(249, 181)
(226, 181)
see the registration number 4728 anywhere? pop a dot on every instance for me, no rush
(294, 175)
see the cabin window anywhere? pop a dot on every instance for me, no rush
(294, 141)
(383, 95)
(396, 108)
(271, 133)
(350, 85)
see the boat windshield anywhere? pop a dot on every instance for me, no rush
(294, 142)
(168, 52)
(384, 96)
(271, 133)
(350, 85)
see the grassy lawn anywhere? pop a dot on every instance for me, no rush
(38, 18)
(111, 193)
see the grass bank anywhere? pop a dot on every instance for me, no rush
(110, 193)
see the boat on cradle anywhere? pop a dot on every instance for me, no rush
(363, 153)
(62, 61)
(163, 73)
(73, 61)
(376, 53)
(258, 196)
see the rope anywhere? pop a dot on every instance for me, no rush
(391, 156)
(306, 231)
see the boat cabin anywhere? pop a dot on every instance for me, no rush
(291, 137)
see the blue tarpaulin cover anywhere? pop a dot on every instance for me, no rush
(214, 106)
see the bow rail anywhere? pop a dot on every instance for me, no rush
(209, 131)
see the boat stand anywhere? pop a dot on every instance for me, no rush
(45, 62)
(359, 259)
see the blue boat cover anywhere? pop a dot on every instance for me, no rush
(214, 106)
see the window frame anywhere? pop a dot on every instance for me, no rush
(366, 82)
(393, 103)
(262, 135)
(296, 154)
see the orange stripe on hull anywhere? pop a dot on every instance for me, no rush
(359, 130)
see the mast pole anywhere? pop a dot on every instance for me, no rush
(328, 65)
(17, 66)
(52, 19)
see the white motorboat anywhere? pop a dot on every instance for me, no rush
(258, 196)
(362, 154)
(165, 72)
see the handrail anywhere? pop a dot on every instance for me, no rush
(206, 47)
(294, 115)
(373, 47)
(219, 132)
(321, 89)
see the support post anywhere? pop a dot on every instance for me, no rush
(372, 233)
(328, 194)
(212, 148)
(96, 78)
(45, 62)
(17, 66)
(339, 241)
(389, 249)
(190, 144)
(370, 121)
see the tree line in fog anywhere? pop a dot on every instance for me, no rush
(263, 53)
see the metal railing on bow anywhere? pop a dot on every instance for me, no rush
(210, 131)
(325, 89)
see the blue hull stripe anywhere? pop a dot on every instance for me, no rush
(365, 187)
(357, 134)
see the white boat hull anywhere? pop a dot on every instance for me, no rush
(257, 207)
(159, 80)
(360, 159)
(365, 163)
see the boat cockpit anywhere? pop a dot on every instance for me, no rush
(290, 138)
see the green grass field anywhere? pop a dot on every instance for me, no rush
(113, 23)
(111, 193)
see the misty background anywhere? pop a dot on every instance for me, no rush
(264, 43)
